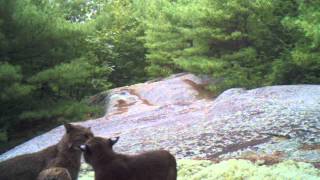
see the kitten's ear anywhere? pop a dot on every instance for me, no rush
(69, 127)
(114, 140)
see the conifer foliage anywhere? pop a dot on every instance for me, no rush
(240, 43)
(45, 70)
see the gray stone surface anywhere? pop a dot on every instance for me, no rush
(179, 115)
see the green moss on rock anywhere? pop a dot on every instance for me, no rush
(86, 172)
(243, 169)
(235, 169)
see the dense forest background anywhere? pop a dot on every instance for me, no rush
(55, 54)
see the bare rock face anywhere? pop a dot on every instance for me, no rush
(179, 115)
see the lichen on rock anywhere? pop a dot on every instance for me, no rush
(236, 169)
(243, 169)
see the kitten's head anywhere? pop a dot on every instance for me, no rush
(98, 147)
(76, 135)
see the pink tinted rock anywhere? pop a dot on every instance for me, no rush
(178, 114)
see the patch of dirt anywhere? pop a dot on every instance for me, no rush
(122, 107)
(310, 147)
(144, 101)
(203, 93)
(317, 165)
(277, 137)
(274, 158)
(236, 147)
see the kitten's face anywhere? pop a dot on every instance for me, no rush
(77, 135)
(97, 147)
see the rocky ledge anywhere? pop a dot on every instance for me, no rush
(268, 124)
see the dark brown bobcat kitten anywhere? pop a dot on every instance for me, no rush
(54, 173)
(109, 165)
(65, 154)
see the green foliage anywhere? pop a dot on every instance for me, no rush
(71, 80)
(241, 43)
(46, 68)
(117, 42)
(11, 85)
(80, 10)
(164, 41)
(70, 110)
(12, 90)
(302, 63)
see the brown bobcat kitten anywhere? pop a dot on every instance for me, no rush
(54, 173)
(65, 154)
(109, 165)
